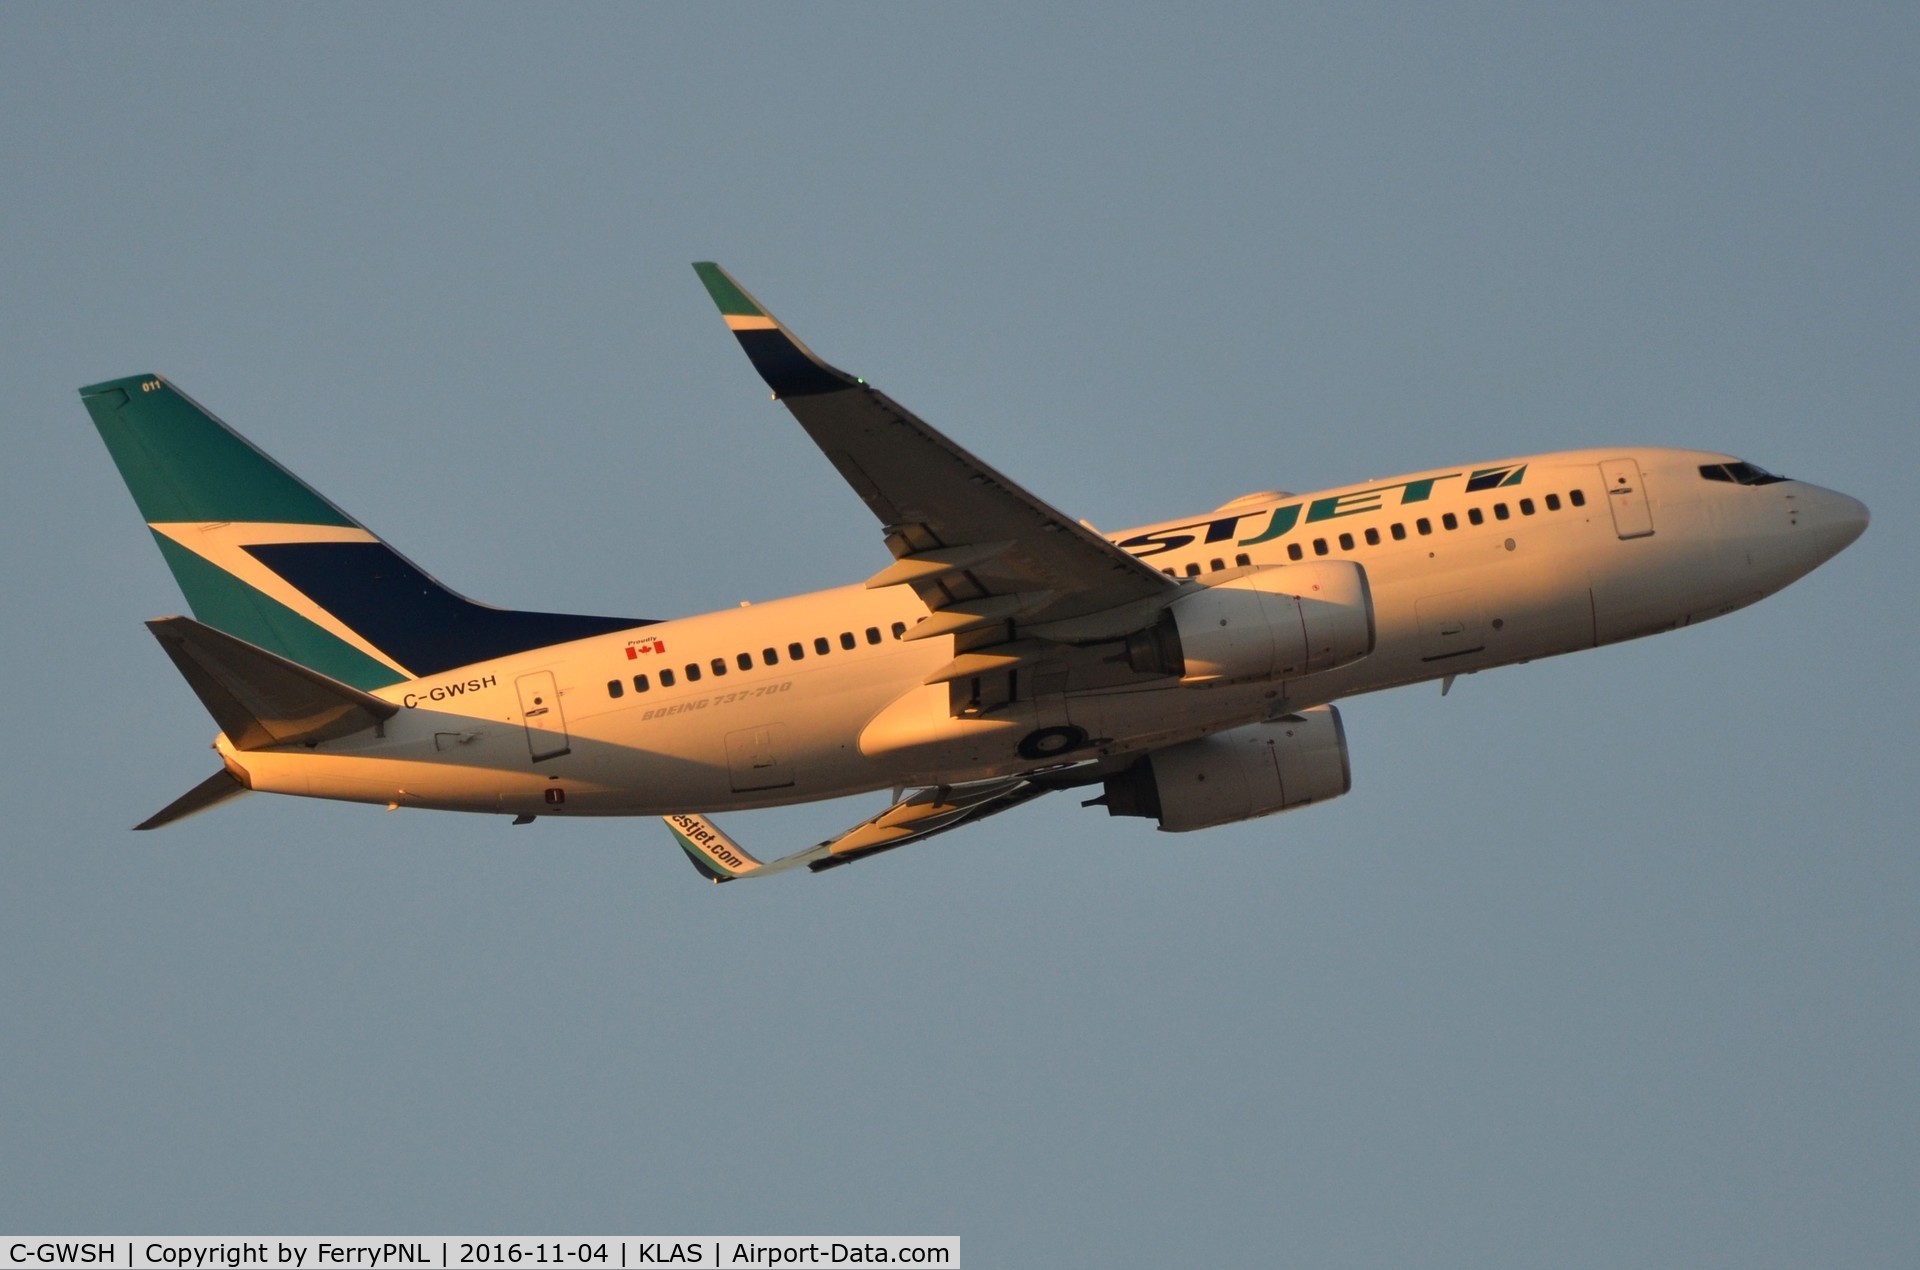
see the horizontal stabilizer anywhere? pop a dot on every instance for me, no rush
(260, 699)
(211, 792)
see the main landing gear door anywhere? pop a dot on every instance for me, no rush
(1627, 496)
(540, 710)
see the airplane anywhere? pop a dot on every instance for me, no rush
(1187, 669)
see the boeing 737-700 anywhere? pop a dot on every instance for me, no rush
(1185, 670)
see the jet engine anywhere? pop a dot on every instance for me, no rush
(1276, 623)
(1236, 775)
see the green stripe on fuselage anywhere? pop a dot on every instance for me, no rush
(182, 464)
(226, 603)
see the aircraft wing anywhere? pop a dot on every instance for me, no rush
(978, 549)
(919, 815)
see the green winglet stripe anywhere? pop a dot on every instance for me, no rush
(183, 464)
(226, 603)
(701, 861)
(726, 293)
(789, 367)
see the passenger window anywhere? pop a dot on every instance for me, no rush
(1424, 525)
(666, 679)
(640, 683)
(1398, 530)
(1475, 516)
(1346, 542)
(1373, 537)
(1319, 546)
(1294, 552)
(771, 656)
(1170, 573)
(1243, 560)
(693, 672)
(1577, 498)
(744, 661)
(719, 665)
(899, 629)
(1500, 512)
(820, 645)
(1216, 564)
(873, 634)
(1193, 570)
(846, 639)
(1526, 507)
(615, 688)
(796, 652)
(1553, 502)
(1449, 521)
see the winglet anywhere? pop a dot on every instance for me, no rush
(790, 368)
(713, 853)
(919, 815)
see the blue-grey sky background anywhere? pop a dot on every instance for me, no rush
(1606, 960)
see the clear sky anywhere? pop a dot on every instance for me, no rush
(1607, 960)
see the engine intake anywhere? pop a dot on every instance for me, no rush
(1277, 623)
(1237, 775)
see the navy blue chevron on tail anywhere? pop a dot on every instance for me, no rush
(265, 558)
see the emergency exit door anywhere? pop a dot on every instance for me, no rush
(1627, 497)
(540, 711)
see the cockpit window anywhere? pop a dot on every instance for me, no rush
(1739, 473)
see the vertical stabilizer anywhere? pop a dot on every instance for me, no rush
(265, 558)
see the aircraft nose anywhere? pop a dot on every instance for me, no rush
(1836, 520)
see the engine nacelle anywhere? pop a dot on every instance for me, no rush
(1277, 623)
(1238, 775)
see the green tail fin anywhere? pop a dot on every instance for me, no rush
(262, 556)
(182, 464)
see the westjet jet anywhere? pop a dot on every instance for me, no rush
(1186, 671)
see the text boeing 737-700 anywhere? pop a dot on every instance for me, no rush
(1188, 668)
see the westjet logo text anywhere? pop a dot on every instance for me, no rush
(1285, 518)
(707, 840)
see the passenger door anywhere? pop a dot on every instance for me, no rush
(540, 711)
(1627, 496)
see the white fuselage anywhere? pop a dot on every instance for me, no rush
(729, 717)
